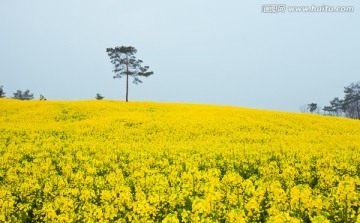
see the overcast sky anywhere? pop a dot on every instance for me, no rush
(202, 51)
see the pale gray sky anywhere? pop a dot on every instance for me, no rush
(202, 51)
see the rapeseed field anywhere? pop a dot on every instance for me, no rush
(109, 161)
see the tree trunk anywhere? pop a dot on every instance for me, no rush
(127, 78)
(127, 87)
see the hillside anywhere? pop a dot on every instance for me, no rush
(115, 161)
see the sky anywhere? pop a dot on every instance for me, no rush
(201, 51)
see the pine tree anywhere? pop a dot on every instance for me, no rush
(127, 65)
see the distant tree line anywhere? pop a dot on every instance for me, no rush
(26, 95)
(349, 106)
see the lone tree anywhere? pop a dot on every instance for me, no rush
(42, 98)
(99, 96)
(2, 93)
(26, 95)
(312, 107)
(126, 64)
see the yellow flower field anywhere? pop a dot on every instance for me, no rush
(109, 161)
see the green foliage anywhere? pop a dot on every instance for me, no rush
(335, 108)
(42, 98)
(2, 93)
(26, 95)
(99, 97)
(312, 107)
(351, 103)
(349, 106)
